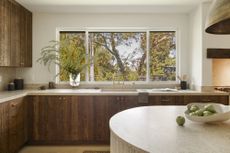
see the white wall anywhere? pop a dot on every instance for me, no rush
(201, 66)
(195, 39)
(210, 41)
(44, 30)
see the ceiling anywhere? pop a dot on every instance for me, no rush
(114, 6)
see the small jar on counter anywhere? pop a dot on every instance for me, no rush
(11, 86)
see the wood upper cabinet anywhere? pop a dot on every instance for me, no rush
(13, 125)
(5, 56)
(16, 35)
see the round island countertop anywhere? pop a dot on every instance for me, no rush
(154, 130)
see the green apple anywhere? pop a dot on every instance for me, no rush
(207, 113)
(210, 108)
(192, 114)
(199, 112)
(194, 108)
(180, 120)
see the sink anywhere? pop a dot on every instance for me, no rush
(73, 90)
(157, 90)
(119, 90)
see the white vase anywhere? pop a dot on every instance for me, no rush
(74, 80)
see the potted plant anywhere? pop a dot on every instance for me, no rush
(68, 55)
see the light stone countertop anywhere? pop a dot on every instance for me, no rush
(154, 129)
(10, 95)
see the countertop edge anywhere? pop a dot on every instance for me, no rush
(11, 95)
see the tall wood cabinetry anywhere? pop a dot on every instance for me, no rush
(15, 35)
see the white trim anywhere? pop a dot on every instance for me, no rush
(57, 70)
(87, 55)
(147, 56)
(147, 30)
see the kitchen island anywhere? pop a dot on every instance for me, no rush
(153, 129)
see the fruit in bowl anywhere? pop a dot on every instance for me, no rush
(207, 112)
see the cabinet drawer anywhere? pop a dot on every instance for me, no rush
(207, 99)
(166, 100)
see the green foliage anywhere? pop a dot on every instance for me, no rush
(68, 54)
(162, 56)
(117, 57)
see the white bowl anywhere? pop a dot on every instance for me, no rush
(223, 113)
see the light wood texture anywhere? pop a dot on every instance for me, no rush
(154, 129)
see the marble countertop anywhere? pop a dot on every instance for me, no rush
(154, 129)
(10, 95)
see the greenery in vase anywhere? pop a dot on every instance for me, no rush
(69, 55)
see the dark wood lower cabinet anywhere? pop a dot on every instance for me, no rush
(70, 120)
(61, 120)
(104, 108)
(4, 128)
(166, 100)
(13, 125)
(74, 119)
(207, 99)
(17, 124)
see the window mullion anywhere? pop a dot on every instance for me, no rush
(87, 55)
(147, 61)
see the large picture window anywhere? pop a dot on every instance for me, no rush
(124, 56)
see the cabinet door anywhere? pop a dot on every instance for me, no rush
(15, 28)
(49, 119)
(103, 110)
(62, 120)
(207, 99)
(125, 102)
(17, 124)
(25, 38)
(16, 35)
(82, 119)
(5, 56)
(4, 130)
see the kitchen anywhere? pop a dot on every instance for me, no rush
(76, 119)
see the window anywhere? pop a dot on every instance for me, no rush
(118, 56)
(162, 56)
(74, 40)
(125, 56)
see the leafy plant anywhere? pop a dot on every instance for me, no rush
(66, 54)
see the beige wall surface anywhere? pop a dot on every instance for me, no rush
(6, 75)
(221, 72)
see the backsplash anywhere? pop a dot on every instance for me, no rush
(6, 75)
